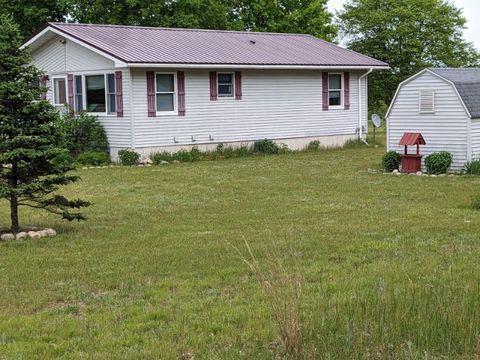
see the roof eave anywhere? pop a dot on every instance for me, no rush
(255, 66)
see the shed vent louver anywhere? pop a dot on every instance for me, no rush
(426, 99)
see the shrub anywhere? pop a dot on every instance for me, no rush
(438, 162)
(93, 158)
(472, 167)
(391, 161)
(128, 157)
(313, 146)
(265, 146)
(476, 202)
(83, 133)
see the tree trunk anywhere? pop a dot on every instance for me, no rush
(14, 214)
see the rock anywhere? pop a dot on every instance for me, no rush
(395, 171)
(33, 235)
(146, 161)
(7, 237)
(433, 175)
(419, 173)
(412, 174)
(163, 162)
(51, 232)
(42, 233)
(21, 235)
(398, 173)
(442, 175)
(175, 162)
(451, 175)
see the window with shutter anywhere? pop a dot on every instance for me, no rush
(426, 101)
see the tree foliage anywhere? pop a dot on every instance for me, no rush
(32, 164)
(31, 15)
(287, 16)
(409, 35)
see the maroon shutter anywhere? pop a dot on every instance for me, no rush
(238, 85)
(346, 79)
(119, 93)
(181, 93)
(43, 85)
(325, 90)
(213, 85)
(151, 94)
(70, 92)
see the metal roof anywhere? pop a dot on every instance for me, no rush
(150, 45)
(412, 139)
(467, 82)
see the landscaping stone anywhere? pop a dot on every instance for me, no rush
(21, 235)
(175, 162)
(51, 232)
(398, 173)
(419, 173)
(7, 237)
(163, 162)
(34, 235)
(433, 175)
(395, 171)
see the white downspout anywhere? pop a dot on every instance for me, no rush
(360, 78)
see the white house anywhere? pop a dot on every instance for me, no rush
(156, 89)
(444, 105)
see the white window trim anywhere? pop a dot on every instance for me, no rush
(175, 94)
(420, 102)
(342, 92)
(226, 97)
(84, 90)
(54, 95)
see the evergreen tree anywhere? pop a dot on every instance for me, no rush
(32, 157)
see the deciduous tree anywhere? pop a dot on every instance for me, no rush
(409, 35)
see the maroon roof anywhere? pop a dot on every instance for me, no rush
(412, 139)
(133, 44)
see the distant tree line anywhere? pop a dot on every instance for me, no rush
(407, 34)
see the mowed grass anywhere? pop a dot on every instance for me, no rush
(390, 263)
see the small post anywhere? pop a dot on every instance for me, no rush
(406, 150)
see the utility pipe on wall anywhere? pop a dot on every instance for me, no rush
(360, 132)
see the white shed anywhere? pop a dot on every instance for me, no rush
(443, 104)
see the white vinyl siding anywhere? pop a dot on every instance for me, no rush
(444, 130)
(475, 139)
(276, 105)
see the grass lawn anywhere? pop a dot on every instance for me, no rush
(390, 263)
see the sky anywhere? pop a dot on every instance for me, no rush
(471, 9)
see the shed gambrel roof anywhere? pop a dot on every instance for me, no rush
(467, 82)
(153, 45)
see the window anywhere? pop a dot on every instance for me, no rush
(426, 101)
(111, 103)
(78, 93)
(165, 89)
(225, 84)
(95, 91)
(59, 91)
(335, 97)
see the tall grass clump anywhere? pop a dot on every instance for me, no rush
(472, 167)
(412, 321)
(475, 204)
(280, 279)
(438, 162)
(266, 146)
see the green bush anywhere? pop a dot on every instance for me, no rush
(313, 146)
(476, 202)
(83, 133)
(391, 161)
(266, 146)
(438, 162)
(93, 158)
(472, 167)
(128, 157)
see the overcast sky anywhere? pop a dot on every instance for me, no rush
(471, 10)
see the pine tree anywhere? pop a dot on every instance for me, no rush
(32, 157)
